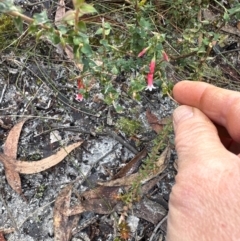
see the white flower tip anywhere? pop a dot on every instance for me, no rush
(150, 87)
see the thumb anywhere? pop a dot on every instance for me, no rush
(196, 137)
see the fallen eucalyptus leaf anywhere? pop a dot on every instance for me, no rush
(63, 225)
(26, 167)
(128, 180)
(11, 143)
(131, 166)
(10, 150)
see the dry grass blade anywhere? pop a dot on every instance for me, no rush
(63, 225)
(26, 167)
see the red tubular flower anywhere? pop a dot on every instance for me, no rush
(143, 52)
(165, 56)
(80, 85)
(152, 65)
(79, 97)
(150, 74)
(150, 86)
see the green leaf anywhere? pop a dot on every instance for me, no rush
(86, 49)
(226, 16)
(82, 26)
(19, 24)
(235, 10)
(8, 6)
(107, 31)
(54, 38)
(32, 28)
(77, 41)
(118, 108)
(87, 8)
(62, 29)
(107, 25)
(99, 31)
(69, 16)
(40, 18)
(104, 42)
(114, 70)
(78, 3)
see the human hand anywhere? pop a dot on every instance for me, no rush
(205, 201)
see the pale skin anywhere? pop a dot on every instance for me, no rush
(204, 203)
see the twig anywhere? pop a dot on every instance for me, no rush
(14, 224)
(157, 227)
(32, 116)
(35, 212)
(3, 91)
(85, 224)
(119, 139)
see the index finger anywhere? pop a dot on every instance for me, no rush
(220, 105)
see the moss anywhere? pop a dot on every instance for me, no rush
(8, 31)
(128, 126)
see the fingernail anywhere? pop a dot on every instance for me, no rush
(182, 113)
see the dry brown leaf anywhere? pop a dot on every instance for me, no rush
(131, 166)
(99, 200)
(104, 199)
(13, 167)
(209, 15)
(11, 143)
(154, 122)
(63, 224)
(10, 150)
(60, 12)
(14, 180)
(128, 180)
(26, 167)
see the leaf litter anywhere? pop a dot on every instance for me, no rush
(101, 199)
(13, 167)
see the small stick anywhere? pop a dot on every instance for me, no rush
(124, 143)
(157, 227)
(3, 91)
